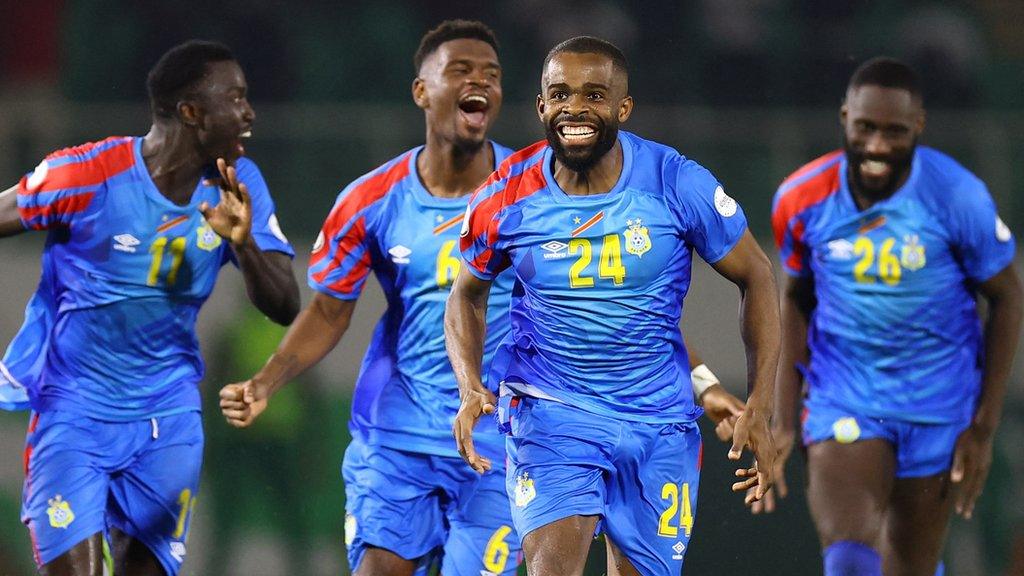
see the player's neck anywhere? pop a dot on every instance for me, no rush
(598, 179)
(448, 171)
(173, 162)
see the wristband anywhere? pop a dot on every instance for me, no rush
(702, 378)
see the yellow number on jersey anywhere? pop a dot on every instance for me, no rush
(497, 551)
(581, 245)
(889, 269)
(177, 249)
(679, 497)
(447, 265)
(609, 264)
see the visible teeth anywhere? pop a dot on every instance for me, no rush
(246, 134)
(475, 98)
(874, 167)
(577, 132)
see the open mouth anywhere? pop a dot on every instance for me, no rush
(239, 148)
(473, 109)
(575, 133)
(875, 168)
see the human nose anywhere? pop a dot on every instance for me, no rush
(876, 144)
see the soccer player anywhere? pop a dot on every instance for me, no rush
(886, 244)
(138, 230)
(409, 494)
(597, 226)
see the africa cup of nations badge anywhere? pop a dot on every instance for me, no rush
(912, 254)
(638, 241)
(206, 238)
(59, 512)
(525, 491)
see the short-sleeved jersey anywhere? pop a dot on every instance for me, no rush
(406, 396)
(600, 279)
(896, 332)
(110, 330)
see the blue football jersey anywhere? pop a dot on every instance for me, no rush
(600, 280)
(406, 396)
(110, 331)
(896, 332)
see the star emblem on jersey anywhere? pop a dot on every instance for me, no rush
(206, 238)
(912, 254)
(638, 241)
(400, 254)
(525, 491)
(125, 243)
(724, 203)
(59, 512)
(846, 430)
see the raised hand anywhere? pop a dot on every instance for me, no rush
(784, 443)
(752, 431)
(723, 409)
(474, 404)
(232, 217)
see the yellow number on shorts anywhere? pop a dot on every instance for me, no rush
(497, 551)
(447, 265)
(177, 255)
(679, 501)
(187, 503)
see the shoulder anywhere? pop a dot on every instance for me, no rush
(518, 177)
(809, 185)
(501, 152)
(659, 168)
(378, 183)
(944, 181)
(84, 165)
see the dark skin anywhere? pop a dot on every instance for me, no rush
(582, 95)
(206, 129)
(459, 90)
(852, 491)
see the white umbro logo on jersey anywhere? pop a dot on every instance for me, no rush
(125, 243)
(841, 249)
(400, 254)
(555, 250)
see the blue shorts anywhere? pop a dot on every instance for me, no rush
(921, 449)
(640, 478)
(422, 506)
(85, 476)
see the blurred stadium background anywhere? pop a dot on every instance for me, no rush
(750, 88)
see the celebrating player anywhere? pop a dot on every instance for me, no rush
(408, 492)
(886, 244)
(598, 226)
(138, 230)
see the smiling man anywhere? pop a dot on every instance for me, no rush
(887, 244)
(409, 497)
(138, 231)
(598, 227)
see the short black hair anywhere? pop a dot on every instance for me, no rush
(179, 70)
(887, 73)
(452, 30)
(590, 45)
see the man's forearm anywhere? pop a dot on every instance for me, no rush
(465, 327)
(269, 281)
(760, 328)
(794, 353)
(1002, 331)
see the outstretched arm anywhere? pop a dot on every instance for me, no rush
(10, 220)
(315, 332)
(748, 267)
(465, 326)
(973, 455)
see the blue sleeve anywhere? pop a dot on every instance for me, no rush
(265, 229)
(709, 220)
(981, 239)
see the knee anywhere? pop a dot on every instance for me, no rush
(850, 558)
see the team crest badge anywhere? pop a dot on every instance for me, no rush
(206, 238)
(59, 512)
(525, 491)
(638, 241)
(912, 255)
(846, 430)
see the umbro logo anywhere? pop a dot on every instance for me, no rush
(555, 250)
(125, 243)
(400, 254)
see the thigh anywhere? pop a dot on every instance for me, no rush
(65, 494)
(83, 559)
(392, 503)
(559, 548)
(154, 496)
(652, 496)
(132, 557)
(481, 539)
